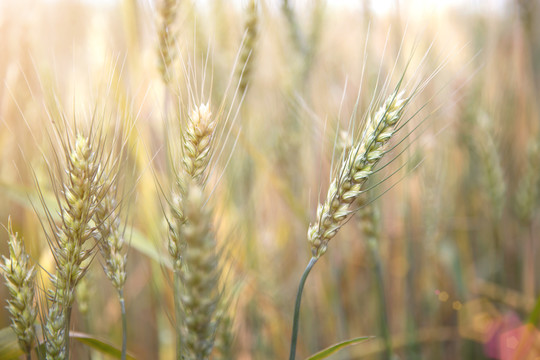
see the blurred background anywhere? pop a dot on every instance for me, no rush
(443, 263)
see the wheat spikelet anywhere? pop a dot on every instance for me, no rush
(354, 171)
(167, 39)
(19, 276)
(198, 136)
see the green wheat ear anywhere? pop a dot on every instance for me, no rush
(20, 280)
(72, 255)
(347, 188)
(355, 169)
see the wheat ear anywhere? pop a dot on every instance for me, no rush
(197, 139)
(224, 338)
(248, 49)
(346, 188)
(20, 280)
(355, 169)
(493, 178)
(111, 239)
(167, 39)
(526, 199)
(200, 275)
(370, 227)
(81, 194)
(111, 245)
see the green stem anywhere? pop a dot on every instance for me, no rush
(383, 319)
(296, 318)
(177, 315)
(66, 331)
(124, 323)
(534, 317)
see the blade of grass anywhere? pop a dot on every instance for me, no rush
(323, 354)
(9, 345)
(99, 345)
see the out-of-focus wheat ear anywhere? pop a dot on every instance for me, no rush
(224, 343)
(20, 281)
(526, 203)
(200, 275)
(167, 39)
(111, 238)
(493, 175)
(176, 244)
(370, 227)
(526, 200)
(296, 34)
(354, 170)
(247, 55)
(111, 245)
(82, 294)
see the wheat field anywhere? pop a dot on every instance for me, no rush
(259, 179)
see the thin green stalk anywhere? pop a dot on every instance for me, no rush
(498, 257)
(534, 317)
(373, 246)
(124, 323)
(177, 312)
(296, 318)
(66, 331)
